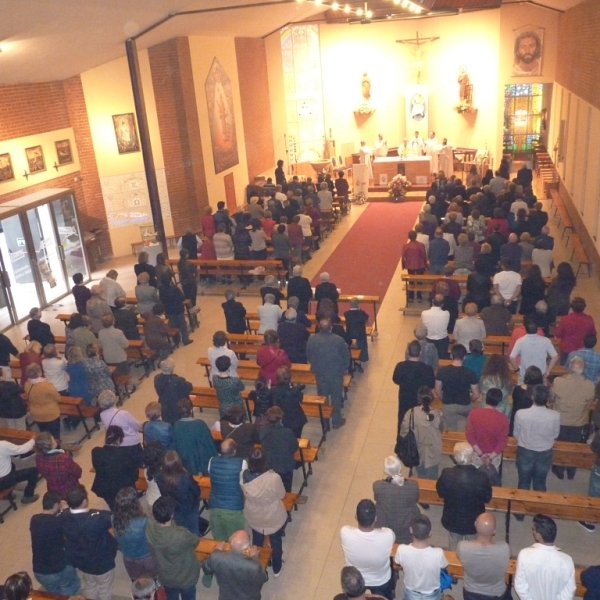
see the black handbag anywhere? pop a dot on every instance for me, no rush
(406, 448)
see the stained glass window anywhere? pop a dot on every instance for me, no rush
(523, 103)
(301, 59)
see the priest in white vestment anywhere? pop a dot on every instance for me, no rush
(416, 145)
(381, 146)
(404, 148)
(366, 156)
(432, 148)
(446, 158)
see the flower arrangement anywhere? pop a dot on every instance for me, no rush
(463, 106)
(398, 185)
(360, 198)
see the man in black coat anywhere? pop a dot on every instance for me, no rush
(465, 491)
(38, 331)
(326, 289)
(235, 314)
(171, 389)
(299, 287)
(293, 337)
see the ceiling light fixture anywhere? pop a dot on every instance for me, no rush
(318, 2)
(359, 12)
(347, 9)
(335, 6)
(369, 14)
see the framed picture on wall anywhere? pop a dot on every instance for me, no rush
(126, 133)
(35, 159)
(64, 156)
(6, 169)
(528, 51)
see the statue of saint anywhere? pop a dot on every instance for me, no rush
(464, 82)
(366, 87)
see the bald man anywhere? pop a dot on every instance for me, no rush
(511, 253)
(238, 571)
(485, 561)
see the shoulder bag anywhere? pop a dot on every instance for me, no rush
(406, 446)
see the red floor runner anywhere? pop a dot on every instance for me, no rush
(364, 262)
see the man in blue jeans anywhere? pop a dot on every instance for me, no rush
(535, 429)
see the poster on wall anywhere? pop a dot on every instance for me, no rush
(417, 110)
(126, 133)
(219, 99)
(35, 159)
(64, 153)
(528, 51)
(6, 169)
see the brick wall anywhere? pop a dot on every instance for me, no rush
(32, 108)
(256, 108)
(174, 93)
(28, 109)
(579, 51)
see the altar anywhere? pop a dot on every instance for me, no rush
(416, 168)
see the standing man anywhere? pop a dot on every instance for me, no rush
(535, 429)
(414, 260)
(533, 350)
(496, 317)
(507, 284)
(112, 290)
(381, 146)
(465, 491)
(329, 359)
(238, 571)
(366, 157)
(458, 387)
(543, 571)
(90, 546)
(485, 562)
(280, 174)
(410, 375)
(342, 189)
(572, 328)
(173, 549)
(436, 321)
(326, 289)
(572, 395)
(300, 287)
(439, 249)
(368, 548)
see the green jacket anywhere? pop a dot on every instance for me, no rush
(173, 549)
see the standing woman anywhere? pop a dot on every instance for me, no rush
(187, 276)
(258, 247)
(289, 398)
(144, 267)
(496, 374)
(162, 268)
(129, 526)
(43, 400)
(428, 427)
(270, 357)
(263, 507)
(533, 290)
(559, 290)
(174, 481)
(146, 295)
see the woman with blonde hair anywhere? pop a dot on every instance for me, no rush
(496, 374)
(463, 256)
(396, 500)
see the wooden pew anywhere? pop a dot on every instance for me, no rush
(16, 436)
(578, 250)
(206, 547)
(248, 369)
(527, 502)
(499, 344)
(566, 454)
(313, 406)
(369, 299)
(456, 569)
(187, 304)
(557, 371)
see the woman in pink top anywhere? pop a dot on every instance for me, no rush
(270, 357)
(208, 223)
(573, 327)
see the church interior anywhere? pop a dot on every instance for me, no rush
(113, 112)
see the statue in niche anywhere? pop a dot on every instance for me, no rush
(366, 87)
(464, 82)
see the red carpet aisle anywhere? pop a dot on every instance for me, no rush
(367, 257)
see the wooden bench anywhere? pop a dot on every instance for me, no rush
(187, 304)
(578, 250)
(248, 370)
(206, 547)
(565, 454)
(59, 340)
(557, 370)
(456, 569)
(499, 344)
(16, 436)
(315, 407)
(527, 502)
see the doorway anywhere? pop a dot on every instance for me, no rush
(230, 198)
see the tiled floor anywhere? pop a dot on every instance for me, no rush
(351, 460)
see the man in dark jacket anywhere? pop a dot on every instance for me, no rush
(126, 320)
(299, 287)
(172, 299)
(465, 491)
(293, 337)
(238, 571)
(326, 289)
(171, 389)
(226, 496)
(279, 444)
(90, 547)
(235, 314)
(38, 331)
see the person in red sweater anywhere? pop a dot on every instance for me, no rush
(573, 327)
(270, 357)
(487, 431)
(208, 223)
(268, 223)
(499, 219)
(414, 260)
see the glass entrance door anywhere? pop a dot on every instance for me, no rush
(17, 284)
(69, 235)
(48, 253)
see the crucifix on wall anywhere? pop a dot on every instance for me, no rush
(416, 44)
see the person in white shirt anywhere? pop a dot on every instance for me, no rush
(470, 327)
(269, 314)
(436, 320)
(416, 144)
(535, 430)
(421, 563)
(507, 284)
(543, 571)
(219, 348)
(112, 290)
(381, 146)
(9, 476)
(368, 548)
(55, 368)
(533, 350)
(517, 205)
(422, 237)
(366, 157)
(497, 184)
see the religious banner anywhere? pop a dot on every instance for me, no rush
(417, 110)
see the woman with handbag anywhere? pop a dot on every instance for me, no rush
(427, 424)
(271, 357)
